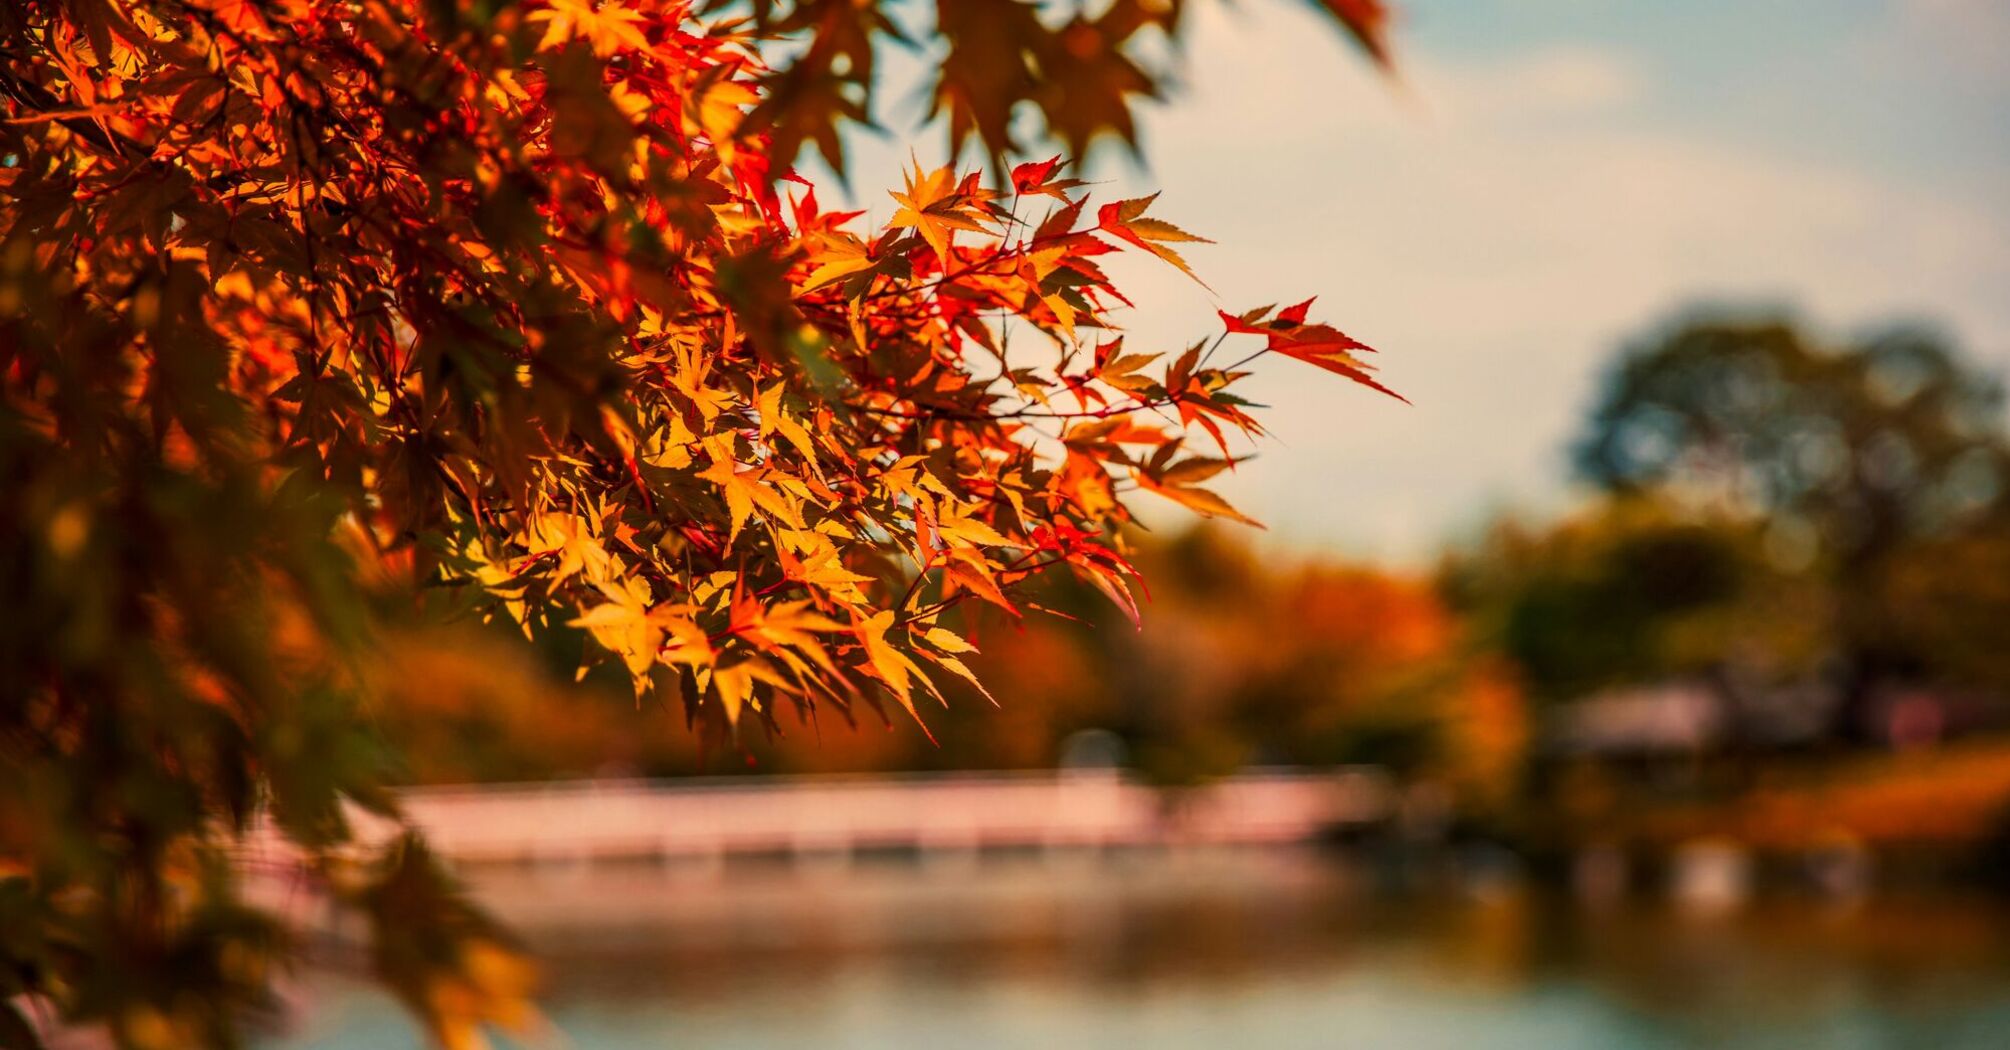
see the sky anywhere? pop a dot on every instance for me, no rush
(1546, 182)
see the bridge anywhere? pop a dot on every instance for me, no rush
(714, 818)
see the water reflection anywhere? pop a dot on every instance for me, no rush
(1259, 949)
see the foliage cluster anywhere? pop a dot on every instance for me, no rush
(319, 318)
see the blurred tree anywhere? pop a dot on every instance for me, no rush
(1240, 659)
(1626, 592)
(322, 322)
(1945, 603)
(1860, 448)
(1856, 459)
(1251, 660)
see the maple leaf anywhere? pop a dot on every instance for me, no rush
(1127, 220)
(830, 80)
(824, 569)
(958, 528)
(573, 540)
(1179, 479)
(776, 420)
(1317, 344)
(716, 108)
(1368, 22)
(888, 664)
(743, 489)
(607, 26)
(1206, 503)
(788, 631)
(975, 576)
(987, 69)
(735, 683)
(1120, 370)
(1091, 79)
(836, 257)
(1114, 584)
(811, 220)
(961, 670)
(623, 625)
(1037, 178)
(936, 207)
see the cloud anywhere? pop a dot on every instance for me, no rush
(1973, 32)
(1562, 81)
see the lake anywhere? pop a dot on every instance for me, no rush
(1254, 948)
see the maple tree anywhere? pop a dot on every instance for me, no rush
(318, 318)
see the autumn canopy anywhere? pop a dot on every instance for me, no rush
(317, 317)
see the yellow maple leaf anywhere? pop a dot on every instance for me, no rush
(834, 257)
(736, 485)
(935, 208)
(572, 539)
(775, 420)
(608, 27)
(885, 662)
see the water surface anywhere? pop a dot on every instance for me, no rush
(1249, 949)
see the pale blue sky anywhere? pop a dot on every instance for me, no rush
(1552, 178)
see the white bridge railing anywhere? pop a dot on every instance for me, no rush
(710, 818)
